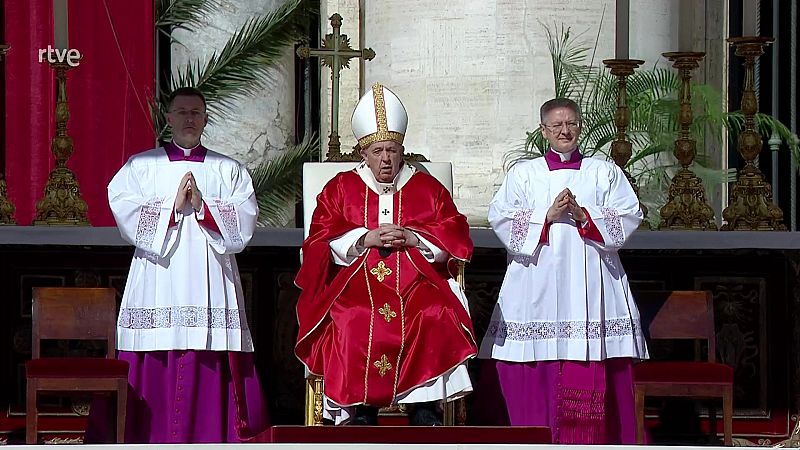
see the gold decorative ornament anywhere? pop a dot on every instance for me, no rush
(621, 148)
(383, 365)
(750, 206)
(387, 313)
(381, 271)
(62, 203)
(686, 207)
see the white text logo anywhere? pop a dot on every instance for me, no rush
(54, 55)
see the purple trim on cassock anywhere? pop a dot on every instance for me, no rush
(561, 395)
(175, 153)
(186, 396)
(554, 160)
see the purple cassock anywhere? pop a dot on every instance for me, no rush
(583, 402)
(184, 396)
(587, 402)
(182, 325)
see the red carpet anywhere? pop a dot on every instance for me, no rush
(405, 435)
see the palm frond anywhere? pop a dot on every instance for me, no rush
(245, 65)
(183, 14)
(277, 183)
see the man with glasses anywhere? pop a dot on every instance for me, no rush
(565, 331)
(182, 324)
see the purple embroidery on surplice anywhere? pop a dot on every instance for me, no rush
(613, 225)
(533, 331)
(230, 221)
(519, 228)
(148, 224)
(179, 316)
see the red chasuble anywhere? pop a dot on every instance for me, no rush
(383, 325)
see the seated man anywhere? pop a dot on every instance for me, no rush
(381, 318)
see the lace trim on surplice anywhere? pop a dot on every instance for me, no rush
(180, 316)
(519, 229)
(230, 221)
(578, 329)
(148, 223)
(613, 225)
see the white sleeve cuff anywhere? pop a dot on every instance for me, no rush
(430, 251)
(343, 248)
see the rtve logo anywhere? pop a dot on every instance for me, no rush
(54, 55)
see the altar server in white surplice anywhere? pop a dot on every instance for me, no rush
(565, 330)
(182, 324)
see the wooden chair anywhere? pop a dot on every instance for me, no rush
(315, 176)
(74, 314)
(683, 315)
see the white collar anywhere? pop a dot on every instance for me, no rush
(403, 175)
(186, 151)
(564, 156)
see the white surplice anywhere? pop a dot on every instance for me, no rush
(183, 290)
(568, 298)
(344, 251)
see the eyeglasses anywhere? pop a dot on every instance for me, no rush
(557, 127)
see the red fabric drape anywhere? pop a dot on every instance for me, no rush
(108, 95)
(30, 99)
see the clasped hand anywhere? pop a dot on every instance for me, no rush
(188, 191)
(390, 235)
(563, 203)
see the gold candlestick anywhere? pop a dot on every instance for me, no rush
(686, 207)
(621, 148)
(750, 206)
(7, 208)
(62, 203)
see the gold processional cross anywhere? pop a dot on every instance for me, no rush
(335, 53)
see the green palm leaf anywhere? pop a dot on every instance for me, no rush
(183, 14)
(245, 65)
(277, 183)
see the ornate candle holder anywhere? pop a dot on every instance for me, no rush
(686, 207)
(62, 203)
(750, 206)
(621, 148)
(7, 208)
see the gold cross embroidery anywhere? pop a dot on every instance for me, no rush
(383, 365)
(387, 312)
(381, 271)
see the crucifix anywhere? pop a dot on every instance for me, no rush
(335, 53)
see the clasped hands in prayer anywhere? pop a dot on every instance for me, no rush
(565, 203)
(188, 191)
(390, 235)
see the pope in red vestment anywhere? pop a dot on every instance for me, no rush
(380, 317)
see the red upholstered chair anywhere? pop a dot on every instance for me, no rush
(683, 315)
(74, 314)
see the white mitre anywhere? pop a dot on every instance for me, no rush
(379, 116)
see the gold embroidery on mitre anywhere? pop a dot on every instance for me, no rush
(370, 139)
(387, 312)
(383, 133)
(381, 271)
(380, 107)
(383, 365)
